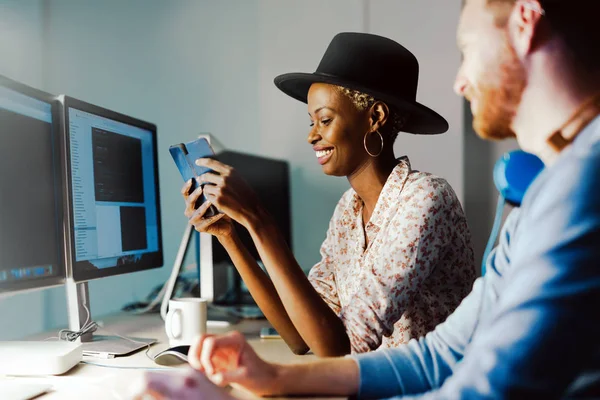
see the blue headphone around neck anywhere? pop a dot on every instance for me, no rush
(513, 174)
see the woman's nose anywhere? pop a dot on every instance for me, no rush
(313, 136)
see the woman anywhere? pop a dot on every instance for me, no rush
(397, 258)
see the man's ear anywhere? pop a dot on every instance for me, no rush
(525, 27)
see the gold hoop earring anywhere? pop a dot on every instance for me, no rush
(367, 149)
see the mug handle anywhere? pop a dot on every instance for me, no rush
(169, 323)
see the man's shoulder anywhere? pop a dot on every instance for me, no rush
(563, 209)
(573, 181)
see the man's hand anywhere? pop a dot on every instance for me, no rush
(230, 359)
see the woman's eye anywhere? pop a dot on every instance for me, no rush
(326, 121)
(312, 124)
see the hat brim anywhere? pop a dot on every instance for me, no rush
(422, 120)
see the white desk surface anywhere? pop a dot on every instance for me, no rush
(90, 382)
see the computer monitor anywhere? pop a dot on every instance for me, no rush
(30, 197)
(112, 191)
(270, 179)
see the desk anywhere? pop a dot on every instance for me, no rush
(91, 382)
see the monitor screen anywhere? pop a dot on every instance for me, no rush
(270, 180)
(113, 192)
(30, 189)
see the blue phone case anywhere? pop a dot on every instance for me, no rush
(199, 148)
(185, 157)
(183, 164)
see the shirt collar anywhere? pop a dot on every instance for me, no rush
(391, 191)
(589, 135)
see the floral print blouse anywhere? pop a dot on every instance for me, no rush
(416, 269)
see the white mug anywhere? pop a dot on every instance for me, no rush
(185, 320)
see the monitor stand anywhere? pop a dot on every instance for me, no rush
(102, 346)
(212, 279)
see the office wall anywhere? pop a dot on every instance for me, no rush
(293, 36)
(206, 66)
(428, 29)
(21, 25)
(188, 66)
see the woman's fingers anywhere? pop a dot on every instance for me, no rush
(185, 190)
(213, 193)
(214, 165)
(212, 178)
(201, 223)
(191, 200)
(201, 210)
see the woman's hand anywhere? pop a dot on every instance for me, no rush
(189, 385)
(227, 190)
(219, 225)
(230, 359)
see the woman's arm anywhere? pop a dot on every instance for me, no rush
(263, 292)
(320, 328)
(256, 279)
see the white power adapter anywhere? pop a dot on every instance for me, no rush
(38, 357)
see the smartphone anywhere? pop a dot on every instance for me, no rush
(185, 156)
(269, 333)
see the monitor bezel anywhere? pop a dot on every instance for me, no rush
(59, 279)
(77, 274)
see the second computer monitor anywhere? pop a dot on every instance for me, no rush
(270, 180)
(30, 195)
(113, 192)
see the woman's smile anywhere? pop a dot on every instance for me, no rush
(323, 154)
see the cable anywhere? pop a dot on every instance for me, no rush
(124, 367)
(71, 336)
(116, 334)
(494, 234)
(133, 341)
(92, 326)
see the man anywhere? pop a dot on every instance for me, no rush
(530, 328)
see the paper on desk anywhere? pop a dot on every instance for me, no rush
(110, 386)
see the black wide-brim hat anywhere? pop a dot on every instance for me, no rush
(374, 65)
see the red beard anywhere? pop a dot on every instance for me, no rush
(497, 104)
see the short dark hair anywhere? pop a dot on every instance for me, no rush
(576, 22)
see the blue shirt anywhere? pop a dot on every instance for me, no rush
(530, 328)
